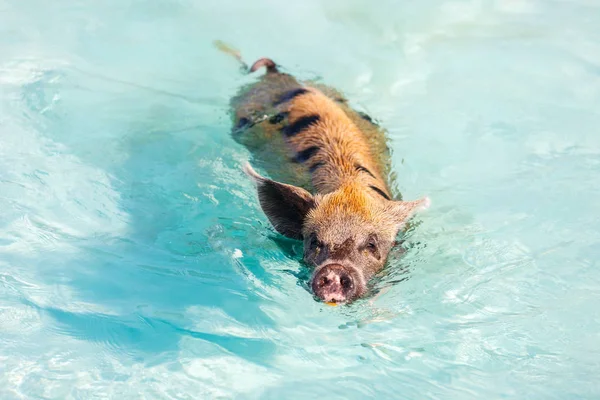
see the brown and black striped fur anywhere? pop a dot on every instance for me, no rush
(330, 170)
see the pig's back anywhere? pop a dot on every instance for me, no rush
(258, 121)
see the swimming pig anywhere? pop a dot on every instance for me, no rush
(330, 167)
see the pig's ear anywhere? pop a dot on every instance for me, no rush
(403, 210)
(286, 206)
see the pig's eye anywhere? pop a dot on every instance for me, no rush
(371, 246)
(315, 243)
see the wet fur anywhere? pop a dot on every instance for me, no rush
(339, 199)
(270, 107)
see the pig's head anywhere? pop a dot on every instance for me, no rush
(347, 233)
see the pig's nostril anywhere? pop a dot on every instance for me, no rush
(346, 282)
(324, 281)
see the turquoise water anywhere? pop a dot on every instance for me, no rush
(135, 261)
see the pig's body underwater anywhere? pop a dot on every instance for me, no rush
(330, 167)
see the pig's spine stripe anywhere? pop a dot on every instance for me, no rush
(289, 96)
(300, 124)
(278, 118)
(306, 154)
(381, 192)
(315, 166)
(363, 169)
(243, 124)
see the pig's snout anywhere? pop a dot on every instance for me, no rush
(334, 283)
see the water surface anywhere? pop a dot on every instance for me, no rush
(135, 261)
